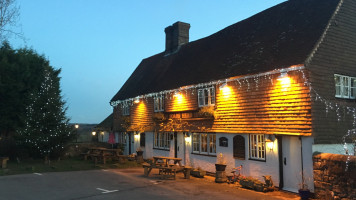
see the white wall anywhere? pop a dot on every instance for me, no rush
(253, 168)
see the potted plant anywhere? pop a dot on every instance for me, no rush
(139, 151)
(303, 191)
(220, 163)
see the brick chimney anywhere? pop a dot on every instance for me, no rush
(176, 36)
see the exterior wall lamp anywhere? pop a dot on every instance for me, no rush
(93, 133)
(187, 137)
(270, 142)
(137, 100)
(137, 135)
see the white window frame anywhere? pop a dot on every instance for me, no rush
(257, 147)
(345, 86)
(158, 103)
(162, 140)
(125, 108)
(122, 137)
(204, 143)
(206, 96)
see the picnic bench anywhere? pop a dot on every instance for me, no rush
(3, 161)
(167, 166)
(103, 154)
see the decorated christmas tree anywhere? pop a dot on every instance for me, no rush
(46, 130)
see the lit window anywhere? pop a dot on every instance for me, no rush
(345, 86)
(206, 96)
(162, 140)
(158, 103)
(125, 108)
(204, 143)
(257, 147)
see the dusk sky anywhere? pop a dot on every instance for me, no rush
(98, 44)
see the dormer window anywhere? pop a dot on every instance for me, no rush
(125, 108)
(206, 96)
(158, 103)
(345, 86)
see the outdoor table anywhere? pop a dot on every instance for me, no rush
(165, 160)
(163, 164)
(103, 153)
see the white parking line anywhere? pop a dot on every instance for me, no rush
(106, 191)
(38, 174)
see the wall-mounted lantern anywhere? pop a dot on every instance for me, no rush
(187, 137)
(137, 100)
(270, 142)
(93, 133)
(137, 135)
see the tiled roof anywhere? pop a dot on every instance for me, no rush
(106, 124)
(278, 37)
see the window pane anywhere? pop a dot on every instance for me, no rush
(195, 142)
(204, 143)
(257, 147)
(206, 97)
(212, 143)
(168, 141)
(345, 84)
(200, 97)
(212, 95)
(353, 88)
(161, 140)
(337, 85)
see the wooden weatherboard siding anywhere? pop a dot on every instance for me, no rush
(260, 104)
(265, 106)
(334, 54)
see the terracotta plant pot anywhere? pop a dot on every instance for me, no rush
(220, 167)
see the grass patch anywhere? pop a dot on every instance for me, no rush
(69, 164)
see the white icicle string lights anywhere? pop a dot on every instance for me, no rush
(329, 104)
(240, 80)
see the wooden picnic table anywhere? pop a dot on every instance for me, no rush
(167, 166)
(102, 154)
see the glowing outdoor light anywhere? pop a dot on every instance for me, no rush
(225, 89)
(284, 79)
(187, 138)
(76, 126)
(270, 142)
(137, 136)
(93, 133)
(137, 100)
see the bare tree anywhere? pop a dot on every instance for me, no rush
(9, 15)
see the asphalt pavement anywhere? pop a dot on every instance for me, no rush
(122, 184)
